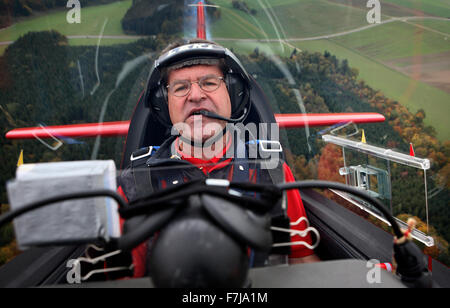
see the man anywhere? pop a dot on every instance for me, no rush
(196, 89)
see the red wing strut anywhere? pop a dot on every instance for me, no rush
(201, 27)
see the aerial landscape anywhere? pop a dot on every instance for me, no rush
(390, 57)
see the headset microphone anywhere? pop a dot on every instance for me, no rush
(218, 117)
(213, 115)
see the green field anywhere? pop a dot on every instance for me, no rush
(235, 24)
(92, 21)
(401, 8)
(395, 85)
(370, 50)
(104, 41)
(269, 48)
(442, 26)
(395, 40)
(286, 19)
(439, 8)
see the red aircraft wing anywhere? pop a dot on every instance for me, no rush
(111, 129)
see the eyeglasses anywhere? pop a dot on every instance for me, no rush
(182, 88)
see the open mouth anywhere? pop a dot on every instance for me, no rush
(197, 112)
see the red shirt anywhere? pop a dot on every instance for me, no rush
(295, 211)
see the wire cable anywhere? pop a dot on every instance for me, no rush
(9, 216)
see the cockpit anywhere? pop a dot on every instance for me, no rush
(349, 92)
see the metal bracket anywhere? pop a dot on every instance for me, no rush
(88, 259)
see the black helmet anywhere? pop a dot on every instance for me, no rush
(235, 77)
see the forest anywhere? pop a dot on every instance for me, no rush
(149, 18)
(40, 84)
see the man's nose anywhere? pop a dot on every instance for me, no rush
(196, 93)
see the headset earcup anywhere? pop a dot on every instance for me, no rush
(238, 92)
(159, 106)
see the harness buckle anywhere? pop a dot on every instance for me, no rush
(147, 153)
(263, 146)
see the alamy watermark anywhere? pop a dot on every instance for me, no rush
(74, 14)
(374, 273)
(374, 15)
(74, 274)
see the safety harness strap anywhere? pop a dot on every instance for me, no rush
(141, 174)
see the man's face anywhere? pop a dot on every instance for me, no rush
(181, 109)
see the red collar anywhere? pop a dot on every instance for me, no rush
(206, 166)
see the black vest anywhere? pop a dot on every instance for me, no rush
(156, 168)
